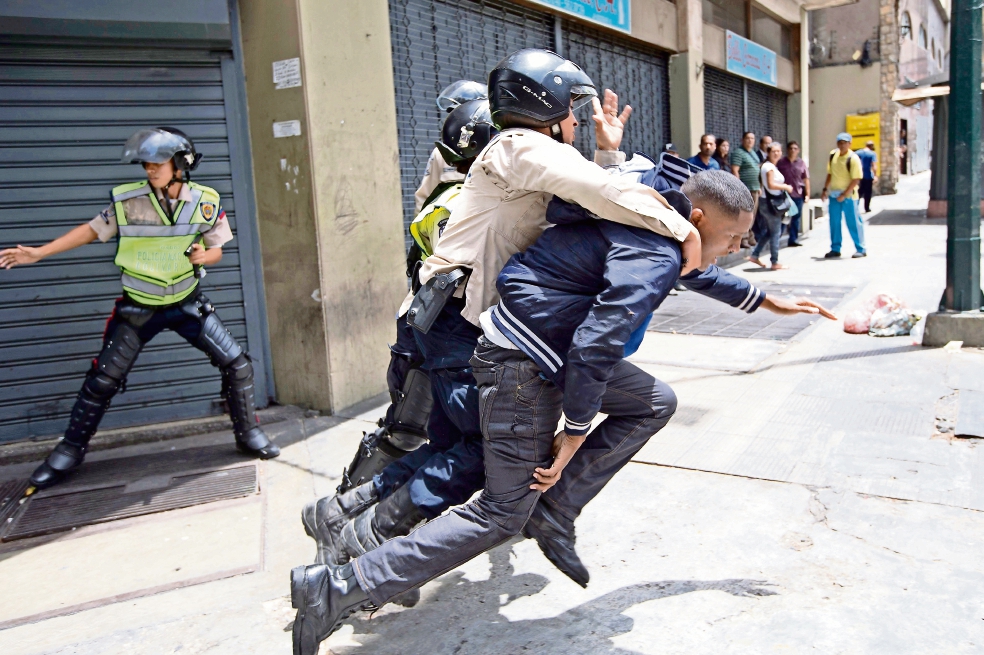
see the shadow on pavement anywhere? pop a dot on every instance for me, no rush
(462, 616)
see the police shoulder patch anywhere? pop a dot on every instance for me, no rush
(208, 210)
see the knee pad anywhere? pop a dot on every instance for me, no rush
(239, 370)
(217, 342)
(412, 406)
(100, 386)
(119, 353)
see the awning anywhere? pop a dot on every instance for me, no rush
(909, 97)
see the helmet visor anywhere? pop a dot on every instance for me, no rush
(152, 146)
(460, 92)
(581, 95)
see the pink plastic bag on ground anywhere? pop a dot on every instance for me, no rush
(858, 321)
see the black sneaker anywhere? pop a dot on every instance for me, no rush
(795, 244)
(859, 254)
(832, 255)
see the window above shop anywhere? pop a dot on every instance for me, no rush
(905, 25)
(769, 32)
(922, 37)
(726, 14)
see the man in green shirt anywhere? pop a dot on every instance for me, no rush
(745, 166)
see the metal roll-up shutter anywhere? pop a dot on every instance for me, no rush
(723, 106)
(435, 43)
(767, 111)
(64, 116)
(637, 73)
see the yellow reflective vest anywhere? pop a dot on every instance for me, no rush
(155, 270)
(426, 228)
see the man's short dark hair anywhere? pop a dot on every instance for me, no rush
(746, 134)
(721, 189)
(704, 136)
(790, 144)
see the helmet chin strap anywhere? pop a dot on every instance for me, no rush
(557, 133)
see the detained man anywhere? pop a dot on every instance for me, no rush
(555, 341)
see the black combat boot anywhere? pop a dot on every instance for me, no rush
(394, 516)
(237, 387)
(324, 519)
(554, 534)
(323, 596)
(65, 458)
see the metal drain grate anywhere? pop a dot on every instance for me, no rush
(692, 313)
(57, 512)
(11, 493)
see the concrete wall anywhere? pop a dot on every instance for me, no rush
(839, 32)
(829, 105)
(655, 22)
(348, 84)
(285, 208)
(687, 78)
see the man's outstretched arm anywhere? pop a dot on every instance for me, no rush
(78, 236)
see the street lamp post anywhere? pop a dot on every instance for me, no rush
(963, 220)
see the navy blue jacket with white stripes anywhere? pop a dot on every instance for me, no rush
(577, 297)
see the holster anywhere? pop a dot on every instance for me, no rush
(432, 298)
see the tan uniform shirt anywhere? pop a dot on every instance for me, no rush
(139, 211)
(503, 205)
(437, 171)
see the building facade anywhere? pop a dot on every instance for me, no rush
(315, 120)
(859, 54)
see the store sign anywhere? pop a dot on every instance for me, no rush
(751, 60)
(616, 14)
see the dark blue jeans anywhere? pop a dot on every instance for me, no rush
(794, 222)
(520, 410)
(449, 469)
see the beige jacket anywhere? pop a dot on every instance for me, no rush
(502, 208)
(437, 171)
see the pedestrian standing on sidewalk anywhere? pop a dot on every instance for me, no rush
(705, 158)
(844, 173)
(763, 150)
(797, 175)
(745, 166)
(774, 190)
(869, 171)
(721, 152)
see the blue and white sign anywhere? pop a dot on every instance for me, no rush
(616, 14)
(751, 60)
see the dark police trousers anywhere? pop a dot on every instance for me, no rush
(520, 410)
(448, 470)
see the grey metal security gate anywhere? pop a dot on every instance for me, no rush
(435, 43)
(64, 115)
(767, 111)
(723, 106)
(638, 74)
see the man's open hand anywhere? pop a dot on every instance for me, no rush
(564, 447)
(609, 124)
(20, 255)
(796, 306)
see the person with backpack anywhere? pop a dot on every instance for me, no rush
(844, 174)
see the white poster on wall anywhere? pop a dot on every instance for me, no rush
(287, 73)
(284, 129)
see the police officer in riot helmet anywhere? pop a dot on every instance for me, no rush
(440, 170)
(375, 475)
(501, 212)
(152, 219)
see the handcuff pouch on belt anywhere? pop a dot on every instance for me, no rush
(431, 298)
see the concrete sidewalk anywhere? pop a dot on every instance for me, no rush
(803, 500)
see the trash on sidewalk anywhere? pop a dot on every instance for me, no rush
(882, 316)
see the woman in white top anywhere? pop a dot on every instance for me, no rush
(774, 186)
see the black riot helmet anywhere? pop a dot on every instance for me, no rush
(459, 92)
(158, 145)
(535, 88)
(466, 131)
